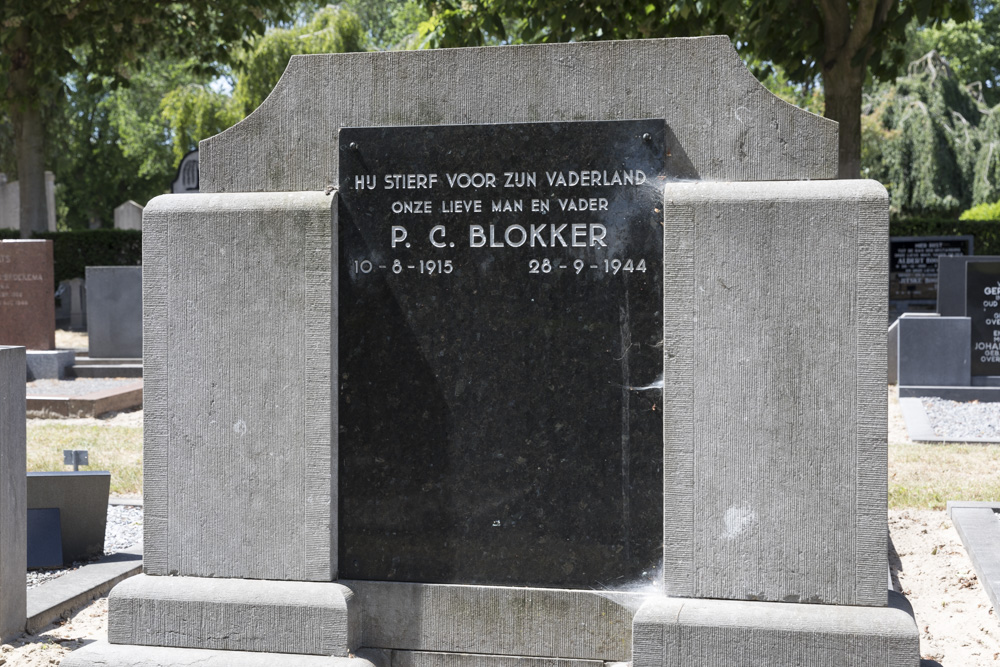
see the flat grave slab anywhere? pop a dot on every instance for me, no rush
(978, 524)
(82, 397)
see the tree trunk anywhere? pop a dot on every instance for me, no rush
(842, 86)
(29, 138)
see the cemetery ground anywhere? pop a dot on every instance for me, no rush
(958, 626)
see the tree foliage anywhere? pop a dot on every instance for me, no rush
(837, 41)
(925, 137)
(43, 42)
(332, 29)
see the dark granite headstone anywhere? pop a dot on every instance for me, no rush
(44, 538)
(983, 307)
(951, 282)
(27, 295)
(913, 269)
(500, 350)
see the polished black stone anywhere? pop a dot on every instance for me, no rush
(913, 266)
(982, 293)
(500, 408)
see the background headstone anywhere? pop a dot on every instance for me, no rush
(27, 294)
(114, 312)
(128, 216)
(913, 270)
(933, 351)
(983, 309)
(13, 506)
(187, 175)
(10, 202)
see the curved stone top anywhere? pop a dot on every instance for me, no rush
(722, 124)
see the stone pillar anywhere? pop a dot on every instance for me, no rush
(774, 441)
(13, 504)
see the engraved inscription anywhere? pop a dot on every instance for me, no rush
(500, 353)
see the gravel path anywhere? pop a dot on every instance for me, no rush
(954, 420)
(124, 531)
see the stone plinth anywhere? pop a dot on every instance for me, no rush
(774, 438)
(27, 299)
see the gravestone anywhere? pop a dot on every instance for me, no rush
(27, 305)
(13, 509)
(517, 403)
(114, 312)
(983, 309)
(187, 175)
(951, 282)
(128, 216)
(913, 270)
(10, 202)
(82, 501)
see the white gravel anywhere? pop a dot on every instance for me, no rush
(123, 531)
(956, 421)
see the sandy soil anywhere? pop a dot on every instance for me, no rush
(50, 645)
(958, 626)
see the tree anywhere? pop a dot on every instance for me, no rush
(923, 135)
(839, 42)
(261, 63)
(42, 42)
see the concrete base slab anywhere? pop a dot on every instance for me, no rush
(48, 364)
(494, 620)
(106, 371)
(64, 595)
(704, 633)
(103, 654)
(978, 524)
(385, 658)
(315, 618)
(970, 393)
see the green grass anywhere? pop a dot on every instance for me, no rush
(117, 449)
(928, 475)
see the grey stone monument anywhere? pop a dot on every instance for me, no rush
(114, 312)
(273, 299)
(13, 507)
(128, 216)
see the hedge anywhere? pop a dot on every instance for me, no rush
(986, 233)
(74, 251)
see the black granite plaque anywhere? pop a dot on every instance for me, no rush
(982, 295)
(913, 269)
(500, 353)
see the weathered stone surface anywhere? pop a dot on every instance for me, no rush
(103, 654)
(13, 510)
(385, 658)
(114, 312)
(27, 297)
(235, 615)
(238, 451)
(707, 633)
(51, 364)
(723, 125)
(774, 437)
(592, 625)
